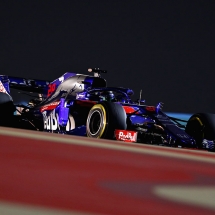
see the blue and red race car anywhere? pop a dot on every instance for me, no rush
(78, 104)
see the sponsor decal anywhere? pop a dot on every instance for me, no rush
(2, 88)
(51, 89)
(50, 121)
(50, 106)
(126, 136)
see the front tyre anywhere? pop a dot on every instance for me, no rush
(104, 118)
(201, 126)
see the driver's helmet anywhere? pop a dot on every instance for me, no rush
(107, 96)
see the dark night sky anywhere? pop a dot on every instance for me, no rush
(166, 48)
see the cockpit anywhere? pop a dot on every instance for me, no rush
(107, 94)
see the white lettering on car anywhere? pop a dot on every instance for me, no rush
(50, 121)
(127, 136)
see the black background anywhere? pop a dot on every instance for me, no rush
(165, 48)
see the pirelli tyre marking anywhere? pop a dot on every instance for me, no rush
(96, 121)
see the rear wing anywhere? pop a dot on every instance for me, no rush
(30, 85)
(36, 85)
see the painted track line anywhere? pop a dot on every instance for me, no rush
(7, 208)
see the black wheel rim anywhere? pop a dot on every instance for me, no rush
(95, 122)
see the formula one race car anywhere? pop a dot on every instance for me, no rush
(78, 104)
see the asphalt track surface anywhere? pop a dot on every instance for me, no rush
(49, 174)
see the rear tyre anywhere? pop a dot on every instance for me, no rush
(7, 109)
(201, 126)
(104, 118)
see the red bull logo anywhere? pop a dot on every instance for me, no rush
(126, 136)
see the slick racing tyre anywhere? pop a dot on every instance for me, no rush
(104, 118)
(7, 109)
(201, 126)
